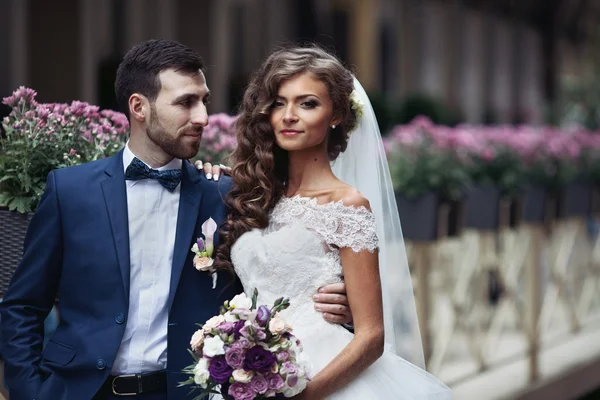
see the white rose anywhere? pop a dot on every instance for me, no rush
(213, 346)
(229, 317)
(201, 373)
(195, 248)
(243, 376)
(277, 326)
(241, 301)
(213, 323)
(304, 365)
(300, 385)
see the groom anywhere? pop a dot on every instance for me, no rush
(111, 241)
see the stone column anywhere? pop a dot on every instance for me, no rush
(220, 54)
(167, 13)
(18, 53)
(364, 37)
(431, 62)
(500, 96)
(134, 23)
(471, 75)
(87, 51)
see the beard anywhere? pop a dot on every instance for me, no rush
(173, 144)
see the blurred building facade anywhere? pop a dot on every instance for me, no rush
(484, 62)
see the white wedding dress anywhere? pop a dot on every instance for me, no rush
(297, 254)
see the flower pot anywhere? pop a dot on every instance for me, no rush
(419, 217)
(456, 218)
(534, 204)
(482, 206)
(575, 200)
(515, 211)
(13, 226)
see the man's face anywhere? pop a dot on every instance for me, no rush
(179, 113)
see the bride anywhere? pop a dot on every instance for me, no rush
(297, 223)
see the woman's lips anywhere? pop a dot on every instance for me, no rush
(290, 132)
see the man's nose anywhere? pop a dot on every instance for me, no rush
(200, 115)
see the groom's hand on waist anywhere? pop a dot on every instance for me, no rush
(332, 301)
(212, 171)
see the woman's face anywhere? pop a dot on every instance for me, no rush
(302, 113)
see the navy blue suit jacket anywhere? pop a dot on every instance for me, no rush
(77, 249)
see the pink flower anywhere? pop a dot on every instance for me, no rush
(197, 340)
(259, 384)
(203, 263)
(275, 381)
(241, 391)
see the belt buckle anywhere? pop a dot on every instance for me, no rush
(126, 376)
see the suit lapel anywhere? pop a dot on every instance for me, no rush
(187, 216)
(115, 197)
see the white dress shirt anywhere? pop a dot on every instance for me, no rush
(152, 212)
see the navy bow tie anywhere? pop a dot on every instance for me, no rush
(138, 170)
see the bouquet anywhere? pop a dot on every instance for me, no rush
(247, 353)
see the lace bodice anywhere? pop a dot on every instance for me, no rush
(299, 251)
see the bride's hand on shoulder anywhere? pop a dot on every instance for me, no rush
(212, 171)
(332, 301)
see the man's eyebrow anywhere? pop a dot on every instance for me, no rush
(186, 96)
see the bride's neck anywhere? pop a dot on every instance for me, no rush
(307, 170)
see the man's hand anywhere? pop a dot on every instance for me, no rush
(212, 171)
(332, 301)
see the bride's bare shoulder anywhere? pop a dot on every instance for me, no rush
(351, 197)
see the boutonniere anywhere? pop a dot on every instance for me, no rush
(203, 249)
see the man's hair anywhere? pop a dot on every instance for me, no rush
(138, 72)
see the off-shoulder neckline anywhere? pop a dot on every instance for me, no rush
(312, 201)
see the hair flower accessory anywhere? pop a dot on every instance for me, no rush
(357, 106)
(203, 249)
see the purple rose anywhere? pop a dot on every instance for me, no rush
(289, 368)
(262, 315)
(235, 357)
(219, 370)
(275, 381)
(241, 343)
(237, 328)
(259, 384)
(253, 331)
(226, 327)
(283, 356)
(241, 391)
(259, 359)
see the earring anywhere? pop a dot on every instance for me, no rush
(332, 126)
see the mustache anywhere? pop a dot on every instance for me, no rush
(193, 131)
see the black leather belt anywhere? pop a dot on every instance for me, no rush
(133, 384)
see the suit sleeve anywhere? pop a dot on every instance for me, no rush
(30, 296)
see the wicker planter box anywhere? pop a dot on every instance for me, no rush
(13, 226)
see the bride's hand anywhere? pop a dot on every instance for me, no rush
(212, 171)
(332, 301)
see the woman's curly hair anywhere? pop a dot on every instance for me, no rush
(260, 166)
